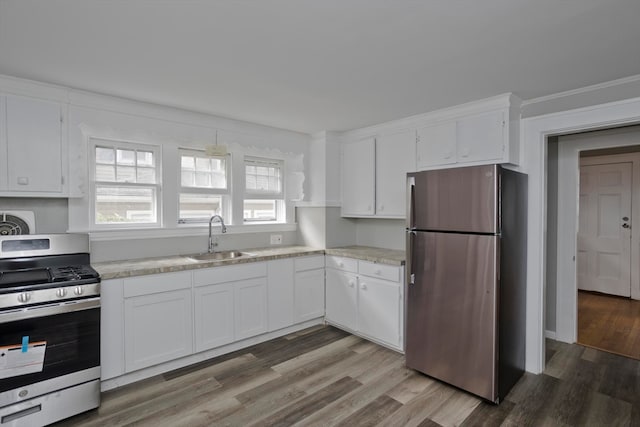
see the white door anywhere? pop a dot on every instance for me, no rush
(342, 298)
(604, 231)
(379, 310)
(395, 156)
(358, 177)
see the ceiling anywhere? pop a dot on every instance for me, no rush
(313, 65)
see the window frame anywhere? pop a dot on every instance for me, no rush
(116, 144)
(279, 197)
(224, 193)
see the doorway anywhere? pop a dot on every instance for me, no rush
(608, 317)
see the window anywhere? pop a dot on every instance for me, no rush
(264, 194)
(203, 186)
(126, 184)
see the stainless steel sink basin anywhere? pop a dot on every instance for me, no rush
(218, 256)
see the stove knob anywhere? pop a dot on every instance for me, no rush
(61, 293)
(78, 290)
(24, 297)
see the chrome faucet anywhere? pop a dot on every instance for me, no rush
(223, 229)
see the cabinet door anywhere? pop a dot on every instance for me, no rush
(250, 300)
(157, 328)
(34, 145)
(395, 156)
(481, 137)
(111, 329)
(436, 145)
(309, 295)
(342, 299)
(358, 178)
(280, 289)
(379, 309)
(213, 309)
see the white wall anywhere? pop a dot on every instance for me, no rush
(51, 215)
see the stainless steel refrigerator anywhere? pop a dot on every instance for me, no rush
(466, 274)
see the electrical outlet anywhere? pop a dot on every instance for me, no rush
(276, 239)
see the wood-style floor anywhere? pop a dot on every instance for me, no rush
(609, 323)
(325, 377)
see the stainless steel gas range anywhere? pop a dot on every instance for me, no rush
(49, 329)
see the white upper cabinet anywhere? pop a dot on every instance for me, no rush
(31, 135)
(374, 174)
(395, 156)
(358, 178)
(436, 145)
(488, 134)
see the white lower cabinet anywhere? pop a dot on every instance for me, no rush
(111, 329)
(158, 328)
(230, 304)
(379, 309)
(250, 298)
(366, 298)
(280, 285)
(342, 298)
(213, 313)
(309, 288)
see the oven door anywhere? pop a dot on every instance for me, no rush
(42, 343)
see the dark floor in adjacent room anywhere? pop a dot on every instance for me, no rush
(609, 323)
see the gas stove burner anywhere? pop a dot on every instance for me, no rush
(11, 225)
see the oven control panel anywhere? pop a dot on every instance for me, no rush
(48, 295)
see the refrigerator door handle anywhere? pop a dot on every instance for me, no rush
(411, 185)
(411, 277)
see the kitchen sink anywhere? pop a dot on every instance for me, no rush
(218, 256)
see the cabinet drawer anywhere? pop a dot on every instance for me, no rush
(381, 271)
(309, 263)
(155, 283)
(342, 263)
(231, 273)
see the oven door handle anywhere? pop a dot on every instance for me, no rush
(49, 309)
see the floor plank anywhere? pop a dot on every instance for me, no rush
(609, 323)
(331, 378)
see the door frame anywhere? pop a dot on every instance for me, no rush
(535, 132)
(569, 148)
(634, 251)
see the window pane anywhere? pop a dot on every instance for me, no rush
(203, 164)
(199, 206)
(263, 177)
(126, 174)
(260, 210)
(188, 163)
(203, 179)
(105, 155)
(123, 205)
(105, 173)
(126, 157)
(145, 158)
(146, 175)
(209, 172)
(188, 179)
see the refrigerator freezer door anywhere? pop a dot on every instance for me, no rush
(459, 199)
(451, 329)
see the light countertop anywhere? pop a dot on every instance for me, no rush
(141, 267)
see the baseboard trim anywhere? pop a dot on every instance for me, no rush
(550, 334)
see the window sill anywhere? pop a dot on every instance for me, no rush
(186, 230)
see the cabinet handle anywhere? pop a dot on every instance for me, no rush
(363, 286)
(381, 208)
(351, 283)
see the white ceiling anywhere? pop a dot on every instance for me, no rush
(312, 65)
